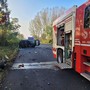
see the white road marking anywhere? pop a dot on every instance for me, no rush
(41, 65)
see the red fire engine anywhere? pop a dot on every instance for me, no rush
(71, 39)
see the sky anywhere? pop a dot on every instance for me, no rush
(25, 10)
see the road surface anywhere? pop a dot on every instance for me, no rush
(34, 69)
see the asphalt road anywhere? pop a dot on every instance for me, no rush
(34, 69)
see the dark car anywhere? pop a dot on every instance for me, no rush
(24, 44)
(32, 41)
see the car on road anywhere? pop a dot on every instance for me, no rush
(24, 44)
(37, 42)
(30, 42)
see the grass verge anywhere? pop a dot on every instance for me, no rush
(11, 52)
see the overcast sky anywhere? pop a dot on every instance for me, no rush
(25, 10)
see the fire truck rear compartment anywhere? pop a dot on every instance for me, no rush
(68, 48)
(64, 40)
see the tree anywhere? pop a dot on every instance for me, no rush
(35, 27)
(13, 34)
(41, 25)
(4, 19)
(14, 24)
(9, 33)
(20, 36)
(8, 29)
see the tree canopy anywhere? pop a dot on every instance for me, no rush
(41, 26)
(8, 27)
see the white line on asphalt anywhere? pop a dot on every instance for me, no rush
(41, 65)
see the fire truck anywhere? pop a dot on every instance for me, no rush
(71, 39)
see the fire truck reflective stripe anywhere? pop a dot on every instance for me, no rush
(67, 20)
(77, 39)
(54, 49)
(55, 28)
(82, 44)
(77, 42)
(54, 52)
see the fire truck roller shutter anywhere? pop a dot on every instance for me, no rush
(68, 24)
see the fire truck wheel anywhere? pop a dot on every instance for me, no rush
(59, 59)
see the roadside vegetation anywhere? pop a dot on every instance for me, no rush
(8, 51)
(41, 27)
(9, 39)
(9, 35)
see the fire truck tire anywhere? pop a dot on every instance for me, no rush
(59, 56)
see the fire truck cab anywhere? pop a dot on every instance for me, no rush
(71, 39)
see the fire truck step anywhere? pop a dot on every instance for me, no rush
(64, 66)
(68, 61)
(87, 63)
(86, 75)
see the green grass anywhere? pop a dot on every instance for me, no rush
(10, 51)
